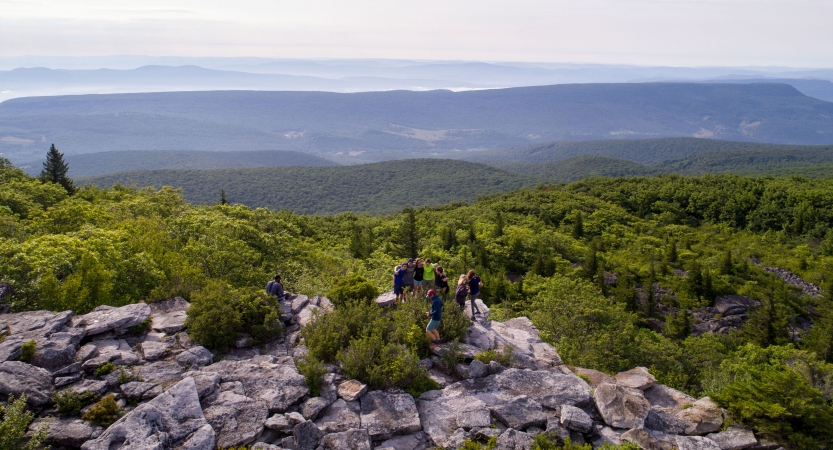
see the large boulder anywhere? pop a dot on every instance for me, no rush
(641, 438)
(66, 432)
(167, 421)
(340, 416)
(386, 299)
(637, 378)
(34, 324)
(735, 438)
(703, 417)
(695, 443)
(521, 413)
(307, 436)
(549, 388)
(347, 440)
(620, 406)
(169, 315)
(670, 400)
(18, 378)
(484, 310)
(594, 377)
(659, 420)
(575, 419)
(237, 419)
(441, 415)
(384, 415)
(351, 390)
(195, 356)
(513, 440)
(528, 349)
(57, 350)
(274, 380)
(108, 318)
(313, 406)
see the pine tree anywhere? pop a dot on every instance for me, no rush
(409, 234)
(55, 170)
(671, 255)
(499, 225)
(726, 264)
(578, 226)
(223, 200)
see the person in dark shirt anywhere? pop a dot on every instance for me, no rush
(399, 283)
(408, 278)
(275, 288)
(419, 274)
(441, 281)
(436, 315)
(474, 292)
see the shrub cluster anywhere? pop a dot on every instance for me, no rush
(105, 412)
(220, 313)
(27, 351)
(503, 357)
(352, 287)
(381, 347)
(14, 423)
(70, 403)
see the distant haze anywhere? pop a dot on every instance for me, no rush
(792, 33)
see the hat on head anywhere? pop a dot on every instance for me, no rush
(432, 292)
(410, 260)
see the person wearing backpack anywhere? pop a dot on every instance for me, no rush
(462, 291)
(275, 288)
(474, 292)
(436, 316)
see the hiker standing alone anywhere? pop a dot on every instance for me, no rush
(474, 292)
(436, 315)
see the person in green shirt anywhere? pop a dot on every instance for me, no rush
(428, 277)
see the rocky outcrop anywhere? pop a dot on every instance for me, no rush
(620, 406)
(108, 318)
(729, 312)
(18, 378)
(169, 315)
(384, 415)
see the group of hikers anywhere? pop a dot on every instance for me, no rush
(410, 279)
(413, 276)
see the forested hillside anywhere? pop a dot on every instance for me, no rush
(370, 188)
(396, 122)
(582, 257)
(91, 164)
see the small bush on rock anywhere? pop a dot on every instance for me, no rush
(503, 357)
(70, 403)
(27, 351)
(14, 423)
(313, 370)
(352, 288)
(105, 412)
(105, 369)
(142, 327)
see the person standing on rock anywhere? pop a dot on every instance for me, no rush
(399, 283)
(275, 288)
(436, 316)
(428, 277)
(409, 268)
(419, 274)
(474, 292)
(462, 291)
(441, 280)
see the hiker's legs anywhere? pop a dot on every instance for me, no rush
(474, 307)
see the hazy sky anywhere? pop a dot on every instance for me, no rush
(649, 32)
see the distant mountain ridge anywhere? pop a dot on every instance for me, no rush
(395, 124)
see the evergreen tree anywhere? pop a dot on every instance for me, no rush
(409, 234)
(449, 238)
(591, 266)
(578, 226)
(671, 254)
(625, 291)
(55, 170)
(472, 234)
(223, 200)
(649, 290)
(726, 264)
(499, 225)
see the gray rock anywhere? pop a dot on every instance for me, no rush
(551, 389)
(278, 385)
(386, 299)
(415, 441)
(299, 302)
(195, 356)
(307, 436)
(637, 378)
(11, 348)
(703, 417)
(695, 443)
(202, 439)
(135, 390)
(154, 350)
(596, 378)
(169, 315)
(108, 318)
(94, 386)
(495, 367)
(18, 378)
(603, 434)
(475, 418)
(441, 415)
(347, 440)
(477, 369)
(279, 423)
(64, 381)
(161, 372)
(661, 421)
(288, 442)
(340, 416)
(384, 415)
(167, 421)
(55, 351)
(34, 324)
(86, 352)
(484, 434)
(294, 418)
(67, 432)
(620, 406)
(265, 446)
(484, 310)
(520, 413)
(735, 438)
(237, 419)
(313, 406)
(207, 382)
(730, 305)
(670, 400)
(68, 370)
(351, 390)
(641, 438)
(575, 419)
(554, 427)
(513, 440)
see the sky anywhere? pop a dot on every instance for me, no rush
(793, 33)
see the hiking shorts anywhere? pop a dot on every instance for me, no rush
(432, 325)
(428, 284)
(417, 282)
(398, 289)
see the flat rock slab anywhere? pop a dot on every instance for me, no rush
(154, 350)
(351, 390)
(276, 382)
(34, 324)
(108, 318)
(386, 299)
(384, 415)
(340, 416)
(161, 372)
(669, 399)
(347, 440)
(521, 413)
(734, 438)
(195, 356)
(67, 432)
(637, 378)
(695, 443)
(620, 406)
(441, 415)
(57, 350)
(237, 419)
(18, 378)
(167, 421)
(169, 315)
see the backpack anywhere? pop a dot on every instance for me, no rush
(460, 294)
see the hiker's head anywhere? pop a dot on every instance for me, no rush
(432, 293)
(277, 278)
(427, 260)
(462, 279)
(439, 269)
(470, 275)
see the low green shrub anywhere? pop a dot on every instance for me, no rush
(219, 313)
(126, 375)
(350, 288)
(105, 412)
(503, 357)
(70, 403)
(469, 444)
(450, 357)
(313, 370)
(142, 327)
(27, 351)
(14, 423)
(455, 324)
(584, 377)
(105, 369)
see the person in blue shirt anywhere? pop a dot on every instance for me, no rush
(399, 283)
(275, 288)
(436, 315)
(474, 292)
